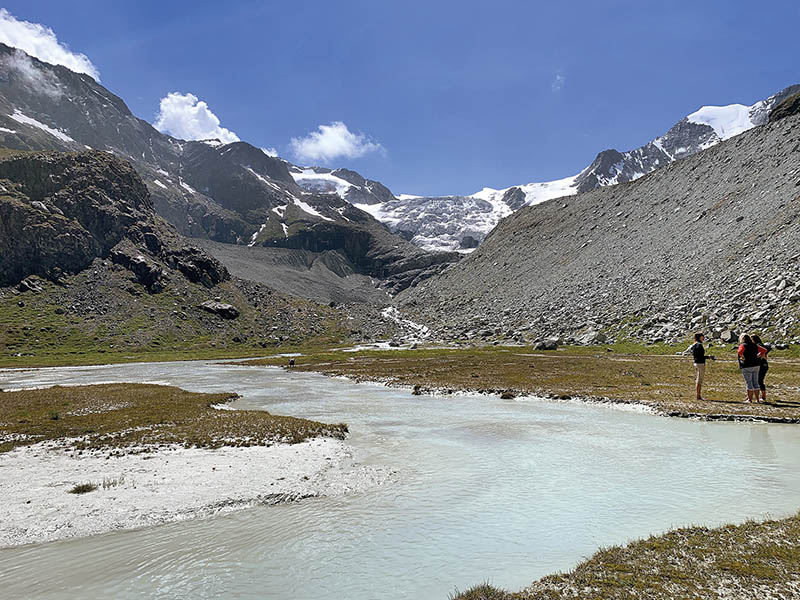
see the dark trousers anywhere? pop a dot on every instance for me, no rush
(762, 372)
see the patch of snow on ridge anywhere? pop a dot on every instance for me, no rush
(536, 193)
(188, 188)
(307, 208)
(256, 234)
(264, 180)
(341, 210)
(26, 120)
(312, 181)
(659, 144)
(4, 130)
(159, 184)
(726, 121)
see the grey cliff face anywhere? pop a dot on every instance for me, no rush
(59, 212)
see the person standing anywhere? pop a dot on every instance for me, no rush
(699, 359)
(763, 350)
(750, 364)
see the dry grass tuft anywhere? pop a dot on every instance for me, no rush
(83, 488)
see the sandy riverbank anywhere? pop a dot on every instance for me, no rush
(171, 484)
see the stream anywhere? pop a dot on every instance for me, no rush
(503, 491)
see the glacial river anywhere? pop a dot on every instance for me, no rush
(486, 489)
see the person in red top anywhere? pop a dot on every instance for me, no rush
(750, 364)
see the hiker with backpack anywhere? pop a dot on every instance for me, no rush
(699, 357)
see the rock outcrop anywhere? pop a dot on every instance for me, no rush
(790, 106)
(61, 211)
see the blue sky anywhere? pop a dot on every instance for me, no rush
(453, 96)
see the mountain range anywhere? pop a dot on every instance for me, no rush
(461, 222)
(238, 194)
(697, 227)
(231, 193)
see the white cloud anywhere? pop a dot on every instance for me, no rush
(187, 117)
(21, 64)
(558, 82)
(270, 152)
(41, 42)
(331, 142)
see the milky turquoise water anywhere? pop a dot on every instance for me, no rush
(486, 489)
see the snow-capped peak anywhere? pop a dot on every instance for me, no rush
(726, 121)
(534, 192)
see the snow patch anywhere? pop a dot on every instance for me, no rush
(341, 210)
(312, 181)
(214, 143)
(188, 188)
(307, 208)
(536, 193)
(4, 130)
(264, 180)
(658, 144)
(254, 237)
(159, 184)
(26, 120)
(726, 121)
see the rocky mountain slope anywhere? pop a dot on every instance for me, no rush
(708, 242)
(87, 266)
(61, 211)
(232, 193)
(461, 222)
